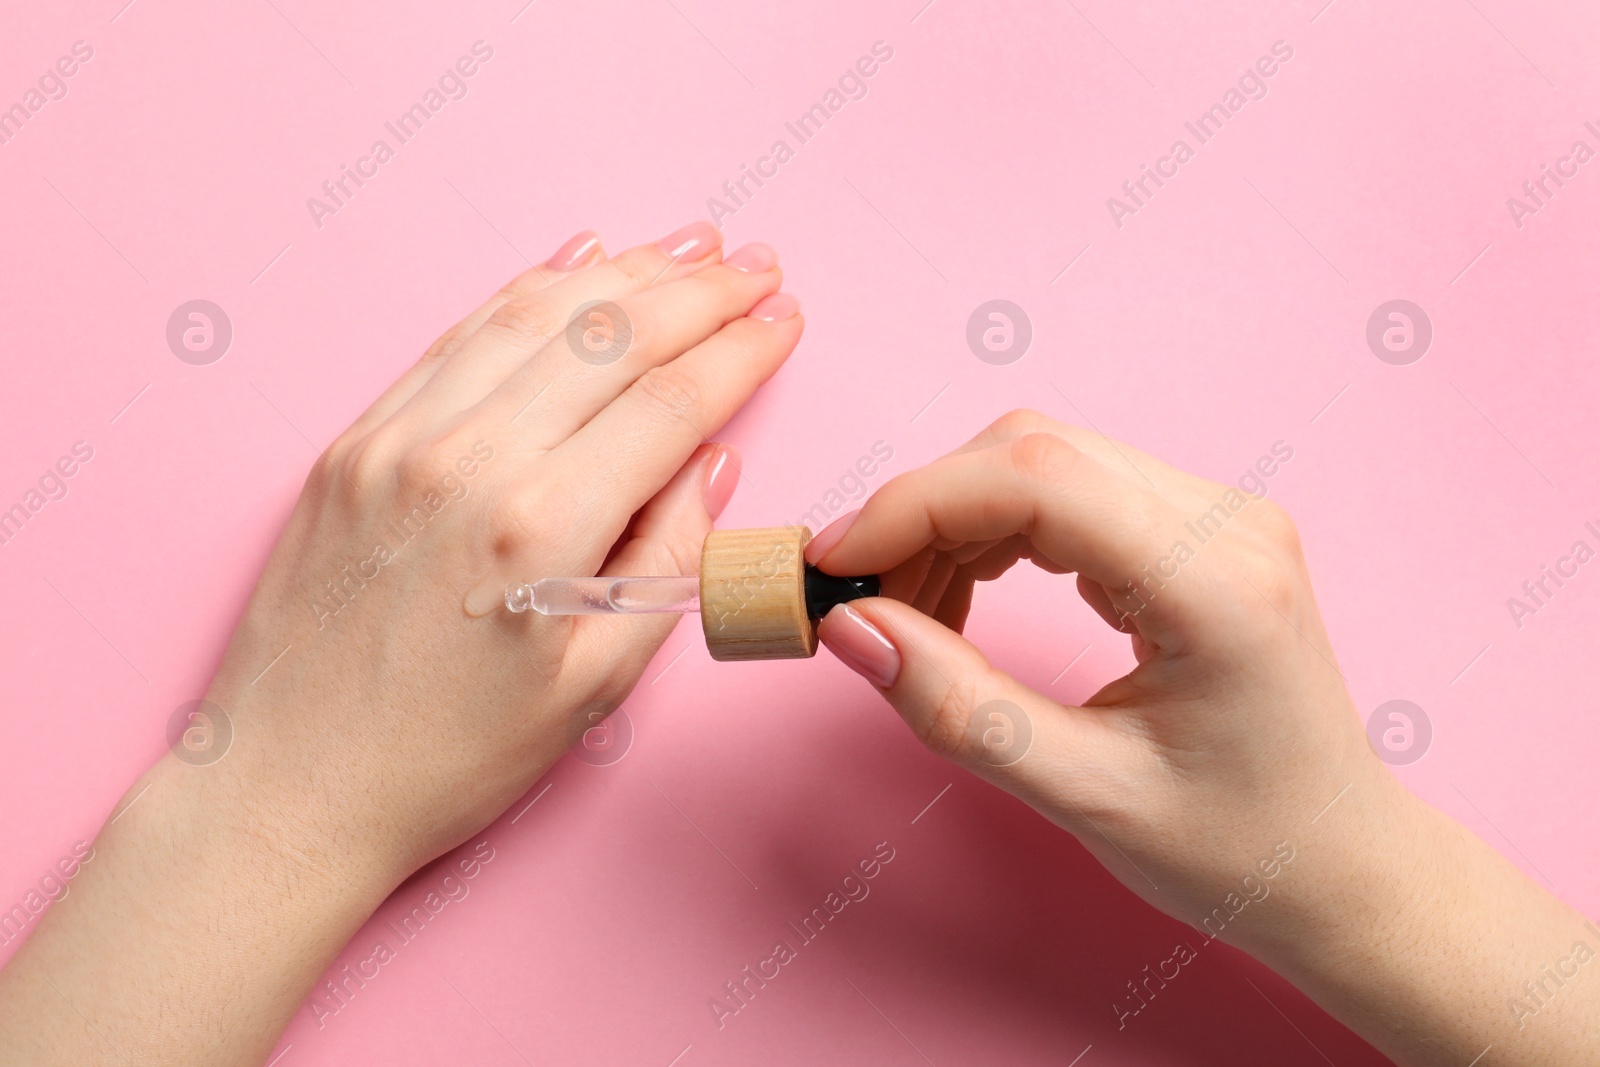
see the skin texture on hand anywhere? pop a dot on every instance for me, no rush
(383, 709)
(1227, 779)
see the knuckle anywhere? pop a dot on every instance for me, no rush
(529, 281)
(1019, 422)
(1273, 583)
(370, 466)
(946, 731)
(422, 469)
(669, 392)
(345, 445)
(1044, 458)
(743, 340)
(639, 267)
(323, 479)
(445, 346)
(529, 319)
(680, 554)
(602, 332)
(1279, 526)
(521, 515)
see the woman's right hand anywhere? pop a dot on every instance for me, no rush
(1227, 778)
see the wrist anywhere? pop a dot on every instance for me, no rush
(309, 802)
(191, 891)
(1364, 871)
(1386, 930)
(230, 829)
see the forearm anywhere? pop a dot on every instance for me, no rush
(1422, 938)
(193, 936)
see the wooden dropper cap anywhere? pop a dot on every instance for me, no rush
(760, 600)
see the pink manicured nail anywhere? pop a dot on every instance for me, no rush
(695, 241)
(575, 252)
(722, 478)
(753, 258)
(860, 645)
(776, 308)
(831, 535)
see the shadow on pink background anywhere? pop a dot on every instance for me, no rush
(1226, 313)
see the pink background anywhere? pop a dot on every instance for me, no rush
(1224, 316)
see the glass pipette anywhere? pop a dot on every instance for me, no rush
(662, 594)
(675, 594)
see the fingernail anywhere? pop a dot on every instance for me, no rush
(695, 241)
(753, 258)
(722, 478)
(776, 308)
(860, 645)
(831, 535)
(575, 252)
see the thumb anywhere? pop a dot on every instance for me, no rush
(960, 707)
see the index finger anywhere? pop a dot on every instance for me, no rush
(638, 441)
(1072, 509)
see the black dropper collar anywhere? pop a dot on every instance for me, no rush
(823, 591)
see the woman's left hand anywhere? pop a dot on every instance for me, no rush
(375, 707)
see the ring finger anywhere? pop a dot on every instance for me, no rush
(582, 250)
(520, 327)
